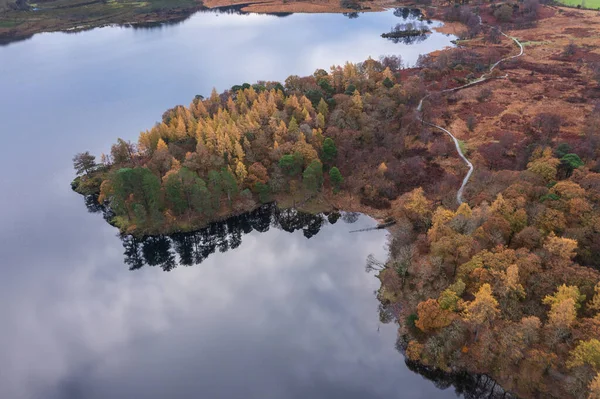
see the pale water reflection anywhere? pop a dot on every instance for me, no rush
(278, 317)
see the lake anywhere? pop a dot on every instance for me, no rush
(266, 314)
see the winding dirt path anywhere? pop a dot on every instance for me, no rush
(483, 78)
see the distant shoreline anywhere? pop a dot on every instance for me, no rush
(17, 25)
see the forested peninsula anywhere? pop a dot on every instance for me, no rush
(507, 283)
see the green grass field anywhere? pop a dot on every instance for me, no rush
(593, 4)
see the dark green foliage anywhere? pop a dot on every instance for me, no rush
(568, 164)
(185, 190)
(549, 197)
(387, 82)
(314, 96)
(246, 194)
(202, 198)
(336, 179)
(84, 163)
(350, 89)
(329, 150)
(562, 150)
(151, 193)
(230, 186)
(326, 87)
(174, 194)
(88, 184)
(264, 192)
(572, 160)
(136, 192)
(312, 178)
(351, 4)
(279, 87)
(140, 214)
(291, 164)
(333, 217)
(215, 185)
(122, 187)
(411, 320)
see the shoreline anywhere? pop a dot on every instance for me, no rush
(16, 26)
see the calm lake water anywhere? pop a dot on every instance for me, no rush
(279, 316)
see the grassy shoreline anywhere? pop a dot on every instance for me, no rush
(79, 15)
(20, 23)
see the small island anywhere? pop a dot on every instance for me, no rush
(406, 30)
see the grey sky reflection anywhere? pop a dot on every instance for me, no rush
(280, 317)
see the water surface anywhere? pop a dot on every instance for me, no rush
(280, 316)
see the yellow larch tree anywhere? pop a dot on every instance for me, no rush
(240, 172)
(562, 247)
(483, 309)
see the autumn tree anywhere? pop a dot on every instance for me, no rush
(586, 352)
(560, 247)
(548, 126)
(382, 168)
(431, 316)
(418, 207)
(257, 173)
(595, 388)
(563, 306)
(594, 303)
(122, 152)
(543, 164)
(483, 309)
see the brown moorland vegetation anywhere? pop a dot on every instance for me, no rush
(508, 284)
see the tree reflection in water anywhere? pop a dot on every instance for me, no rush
(469, 386)
(188, 249)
